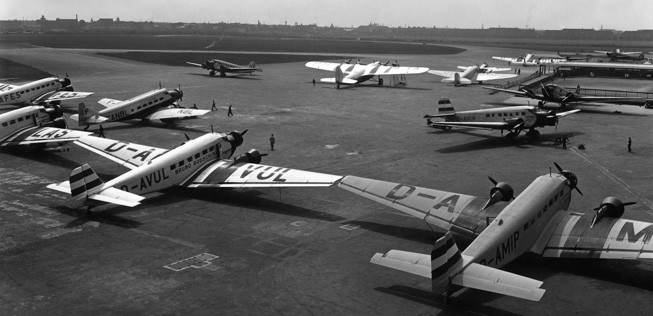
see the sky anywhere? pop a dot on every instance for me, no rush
(538, 14)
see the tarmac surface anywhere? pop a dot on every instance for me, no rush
(304, 251)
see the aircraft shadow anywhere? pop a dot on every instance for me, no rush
(353, 87)
(249, 199)
(247, 77)
(137, 124)
(498, 141)
(465, 302)
(42, 156)
(413, 234)
(108, 217)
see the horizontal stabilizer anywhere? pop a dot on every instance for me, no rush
(109, 103)
(410, 262)
(108, 195)
(489, 279)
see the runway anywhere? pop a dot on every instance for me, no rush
(303, 251)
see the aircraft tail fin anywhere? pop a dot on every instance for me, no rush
(578, 89)
(252, 64)
(446, 261)
(529, 57)
(339, 75)
(85, 113)
(83, 182)
(445, 107)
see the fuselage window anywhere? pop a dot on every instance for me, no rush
(20, 119)
(181, 163)
(172, 167)
(205, 151)
(197, 156)
(210, 148)
(12, 121)
(190, 158)
(4, 123)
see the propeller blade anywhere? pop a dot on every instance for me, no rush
(577, 189)
(492, 180)
(629, 203)
(558, 166)
(243, 132)
(187, 138)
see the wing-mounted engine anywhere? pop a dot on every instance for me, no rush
(610, 207)
(546, 118)
(252, 156)
(501, 191)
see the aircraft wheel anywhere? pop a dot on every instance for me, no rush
(212, 73)
(222, 74)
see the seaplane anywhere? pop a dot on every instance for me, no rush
(36, 126)
(159, 104)
(222, 67)
(203, 162)
(472, 74)
(350, 74)
(512, 118)
(556, 94)
(503, 227)
(51, 90)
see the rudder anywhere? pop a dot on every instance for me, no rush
(446, 261)
(84, 182)
(445, 107)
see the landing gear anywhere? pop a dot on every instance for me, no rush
(532, 133)
(212, 73)
(512, 134)
(380, 81)
(89, 211)
(222, 74)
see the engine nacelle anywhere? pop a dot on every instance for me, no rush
(252, 156)
(610, 207)
(500, 192)
(54, 111)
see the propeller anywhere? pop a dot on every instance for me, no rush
(570, 176)
(187, 138)
(610, 207)
(500, 192)
(545, 92)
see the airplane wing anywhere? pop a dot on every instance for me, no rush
(495, 69)
(515, 92)
(443, 73)
(608, 99)
(241, 69)
(563, 114)
(494, 76)
(570, 235)
(344, 80)
(195, 64)
(491, 125)
(175, 113)
(6, 87)
(441, 208)
(63, 95)
(42, 135)
(109, 103)
(505, 58)
(323, 65)
(128, 155)
(226, 174)
(394, 70)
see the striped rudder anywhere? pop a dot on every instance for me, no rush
(84, 182)
(446, 261)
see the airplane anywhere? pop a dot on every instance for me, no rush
(202, 162)
(511, 118)
(224, 67)
(503, 227)
(617, 54)
(346, 73)
(554, 93)
(36, 126)
(158, 104)
(51, 90)
(472, 74)
(530, 60)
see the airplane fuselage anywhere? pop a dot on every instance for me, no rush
(356, 71)
(517, 228)
(173, 167)
(23, 118)
(25, 93)
(139, 106)
(496, 115)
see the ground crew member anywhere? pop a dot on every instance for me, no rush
(630, 142)
(194, 106)
(314, 82)
(213, 108)
(230, 113)
(564, 142)
(101, 132)
(272, 140)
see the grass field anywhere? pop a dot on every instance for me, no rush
(177, 59)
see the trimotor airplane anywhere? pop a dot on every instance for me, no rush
(530, 60)
(50, 90)
(472, 74)
(158, 104)
(512, 118)
(36, 126)
(202, 162)
(346, 73)
(617, 54)
(223, 67)
(554, 93)
(502, 228)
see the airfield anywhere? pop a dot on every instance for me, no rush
(304, 251)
